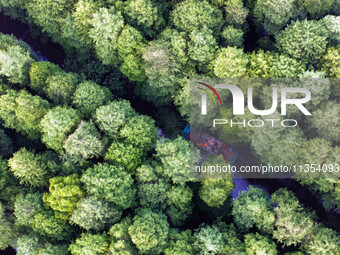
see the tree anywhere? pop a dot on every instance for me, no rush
(61, 87)
(233, 244)
(260, 64)
(92, 244)
(116, 185)
(64, 194)
(190, 14)
(52, 249)
(232, 37)
(47, 225)
(110, 118)
(259, 244)
(180, 243)
(145, 15)
(26, 207)
(286, 67)
(7, 230)
(29, 168)
(303, 40)
(208, 240)
(202, 46)
(149, 231)
(94, 213)
(15, 63)
(316, 8)
(140, 132)
(324, 241)
(330, 22)
(28, 244)
(107, 25)
(39, 72)
(121, 240)
(329, 62)
(6, 144)
(161, 69)
(57, 124)
(230, 62)
(89, 96)
(175, 156)
(85, 142)
(275, 14)
(248, 206)
(293, 223)
(236, 13)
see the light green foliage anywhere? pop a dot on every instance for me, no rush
(182, 98)
(202, 46)
(47, 225)
(29, 168)
(121, 240)
(124, 155)
(293, 223)
(233, 37)
(275, 14)
(230, 62)
(85, 142)
(180, 243)
(130, 46)
(107, 25)
(215, 191)
(324, 241)
(23, 112)
(50, 15)
(26, 207)
(52, 249)
(110, 118)
(61, 86)
(94, 213)
(140, 132)
(39, 72)
(57, 124)
(303, 40)
(7, 230)
(315, 7)
(191, 14)
(89, 96)
(176, 158)
(286, 67)
(178, 200)
(332, 24)
(208, 240)
(149, 231)
(6, 144)
(233, 244)
(144, 15)
(28, 244)
(235, 13)
(91, 244)
(161, 68)
(65, 192)
(259, 244)
(115, 185)
(248, 206)
(260, 64)
(83, 15)
(329, 63)
(15, 63)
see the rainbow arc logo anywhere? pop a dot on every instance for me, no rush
(209, 93)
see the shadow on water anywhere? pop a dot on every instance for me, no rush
(51, 51)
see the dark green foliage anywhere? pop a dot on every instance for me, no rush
(121, 191)
(89, 96)
(64, 194)
(6, 144)
(236, 13)
(7, 230)
(316, 8)
(180, 243)
(39, 72)
(57, 124)
(26, 207)
(149, 231)
(110, 118)
(233, 37)
(90, 244)
(94, 213)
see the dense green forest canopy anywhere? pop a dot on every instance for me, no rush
(82, 171)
